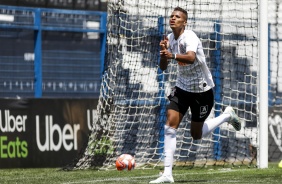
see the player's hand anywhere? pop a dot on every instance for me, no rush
(165, 54)
(164, 43)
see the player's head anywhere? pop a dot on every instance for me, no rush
(183, 11)
(178, 18)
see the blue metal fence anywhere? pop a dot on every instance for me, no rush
(51, 52)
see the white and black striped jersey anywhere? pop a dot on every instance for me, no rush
(196, 77)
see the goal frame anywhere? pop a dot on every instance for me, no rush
(263, 85)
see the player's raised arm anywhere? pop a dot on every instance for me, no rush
(165, 54)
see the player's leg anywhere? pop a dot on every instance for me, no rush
(202, 129)
(176, 110)
(172, 123)
(227, 116)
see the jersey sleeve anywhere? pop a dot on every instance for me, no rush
(192, 41)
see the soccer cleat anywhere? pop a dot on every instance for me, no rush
(234, 119)
(163, 179)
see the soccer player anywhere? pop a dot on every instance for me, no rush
(194, 89)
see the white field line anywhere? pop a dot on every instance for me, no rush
(147, 177)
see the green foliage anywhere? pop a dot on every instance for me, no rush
(102, 146)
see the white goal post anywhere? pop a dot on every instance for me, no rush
(263, 85)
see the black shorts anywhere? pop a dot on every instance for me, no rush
(200, 104)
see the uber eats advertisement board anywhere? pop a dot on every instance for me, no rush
(44, 132)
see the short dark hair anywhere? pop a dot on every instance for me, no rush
(181, 10)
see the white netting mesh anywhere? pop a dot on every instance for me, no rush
(133, 93)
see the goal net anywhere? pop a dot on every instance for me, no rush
(133, 94)
(275, 80)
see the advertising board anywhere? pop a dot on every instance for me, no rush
(44, 132)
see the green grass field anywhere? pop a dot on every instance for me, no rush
(272, 175)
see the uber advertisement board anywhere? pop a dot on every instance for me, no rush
(44, 132)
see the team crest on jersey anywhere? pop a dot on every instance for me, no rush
(182, 48)
(203, 111)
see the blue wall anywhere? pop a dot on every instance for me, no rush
(51, 52)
